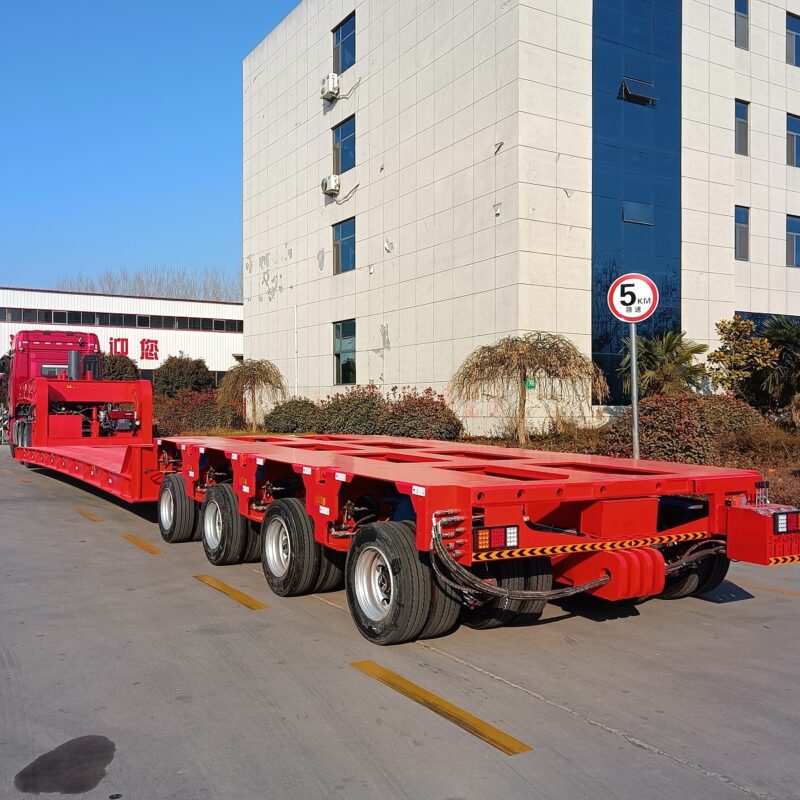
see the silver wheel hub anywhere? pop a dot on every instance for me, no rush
(373, 584)
(212, 525)
(277, 547)
(166, 509)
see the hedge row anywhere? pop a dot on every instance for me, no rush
(193, 412)
(365, 410)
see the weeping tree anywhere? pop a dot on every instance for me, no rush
(505, 368)
(247, 380)
(665, 364)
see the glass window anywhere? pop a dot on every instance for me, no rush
(117, 319)
(344, 246)
(44, 316)
(103, 319)
(743, 24)
(15, 314)
(219, 324)
(742, 239)
(636, 91)
(142, 321)
(206, 324)
(640, 213)
(88, 318)
(155, 322)
(742, 128)
(344, 45)
(183, 323)
(2, 315)
(230, 325)
(167, 322)
(73, 317)
(194, 324)
(29, 315)
(130, 320)
(60, 317)
(344, 351)
(344, 146)
(792, 140)
(240, 325)
(792, 241)
(792, 36)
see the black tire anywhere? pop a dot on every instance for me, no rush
(515, 574)
(331, 570)
(224, 529)
(290, 556)
(713, 571)
(682, 585)
(446, 602)
(539, 578)
(388, 585)
(177, 512)
(252, 552)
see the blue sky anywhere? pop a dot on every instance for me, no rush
(120, 133)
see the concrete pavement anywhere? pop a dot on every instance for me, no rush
(128, 677)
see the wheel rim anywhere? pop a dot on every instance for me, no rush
(277, 547)
(212, 525)
(166, 509)
(373, 584)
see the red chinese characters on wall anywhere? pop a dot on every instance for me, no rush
(149, 350)
(118, 347)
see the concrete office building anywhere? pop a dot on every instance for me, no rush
(146, 329)
(499, 163)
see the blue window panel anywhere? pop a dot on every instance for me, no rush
(792, 23)
(636, 154)
(344, 146)
(344, 246)
(637, 26)
(760, 319)
(742, 6)
(741, 110)
(742, 215)
(344, 44)
(639, 213)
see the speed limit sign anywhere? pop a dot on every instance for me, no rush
(633, 297)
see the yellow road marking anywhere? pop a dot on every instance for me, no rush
(151, 548)
(477, 727)
(24, 480)
(88, 515)
(234, 594)
(760, 588)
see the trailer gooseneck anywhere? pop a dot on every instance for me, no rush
(421, 533)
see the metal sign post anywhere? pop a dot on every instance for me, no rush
(634, 392)
(633, 298)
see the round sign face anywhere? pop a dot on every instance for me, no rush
(633, 297)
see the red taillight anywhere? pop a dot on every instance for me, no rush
(497, 537)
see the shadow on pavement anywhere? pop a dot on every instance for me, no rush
(146, 511)
(726, 592)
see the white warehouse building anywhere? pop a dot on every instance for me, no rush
(471, 170)
(146, 329)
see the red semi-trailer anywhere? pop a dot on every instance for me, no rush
(420, 533)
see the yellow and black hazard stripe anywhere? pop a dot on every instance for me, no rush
(588, 547)
(779, 560)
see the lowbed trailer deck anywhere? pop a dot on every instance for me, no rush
(421, 533)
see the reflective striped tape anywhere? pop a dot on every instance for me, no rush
(586, 547)
(779, 560)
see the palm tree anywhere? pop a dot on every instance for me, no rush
(665, 364)
(247, 380)
(504, 367)
(783, 381)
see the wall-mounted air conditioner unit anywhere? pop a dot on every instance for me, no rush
(330, 87)
(330, 185)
